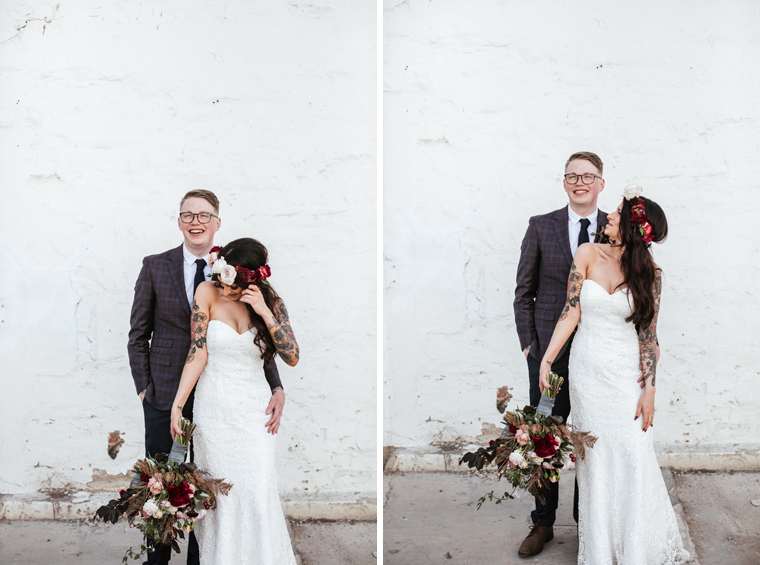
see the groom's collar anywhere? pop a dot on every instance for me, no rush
(190, 259)
(574, 217)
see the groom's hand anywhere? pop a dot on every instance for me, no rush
(526, 351)
(276, 404)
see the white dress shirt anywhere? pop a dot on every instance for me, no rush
(190, 270)
(574, 227)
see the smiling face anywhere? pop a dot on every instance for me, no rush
(583, 196)
(199, 238)
(232, 291)
(612, 229)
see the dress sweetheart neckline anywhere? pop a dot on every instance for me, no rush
(604, 289)
(229, 326)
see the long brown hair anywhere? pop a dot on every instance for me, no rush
(639, 269)
(251, 254)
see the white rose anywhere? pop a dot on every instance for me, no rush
(212, 257)
(228, 274)
(167, 506)
(516, 458)
(218, 265)
(151, 508)
(632, 191)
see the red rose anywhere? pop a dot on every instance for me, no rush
(490, 443)
(512, 429)
(180, 495)
(544, 446)
(122, 494)
(144, 478)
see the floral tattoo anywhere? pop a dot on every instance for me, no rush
(283, 336)
(574, 284)
(648, 337)
(198, 329)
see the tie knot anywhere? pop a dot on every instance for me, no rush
(202, 262)
(585, 223)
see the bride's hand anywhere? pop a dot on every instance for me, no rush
(252, 295)
(543, 382)
(176, 415)
(645, 409)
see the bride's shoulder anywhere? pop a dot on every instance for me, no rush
(207, 292)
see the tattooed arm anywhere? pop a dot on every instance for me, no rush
(277, 323)
(283, 336)
(198, 355)
(648, 359)
(571, 314)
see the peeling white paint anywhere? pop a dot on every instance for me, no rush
(107, 119)
(668, 101)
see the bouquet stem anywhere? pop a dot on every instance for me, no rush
(546, 405)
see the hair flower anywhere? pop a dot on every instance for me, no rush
(632, 191)
(228, 274)
(218, 265)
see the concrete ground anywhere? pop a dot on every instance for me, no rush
(25, 542)
(723, 521)
(433, 518)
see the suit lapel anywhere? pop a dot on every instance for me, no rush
(560, 230)
(177, 273)
(601, 221)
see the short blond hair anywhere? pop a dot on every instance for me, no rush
(207, 195)
(592, 158)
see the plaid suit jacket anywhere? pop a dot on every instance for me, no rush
(542, 273)
(159, 336)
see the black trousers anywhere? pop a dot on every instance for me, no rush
(158, 439)
(546, 513)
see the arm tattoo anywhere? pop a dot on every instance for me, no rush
(283, 336)
(198, 328)
(574, 284)
(648, 337)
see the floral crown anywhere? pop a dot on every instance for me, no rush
(639, 219)
(235, 274)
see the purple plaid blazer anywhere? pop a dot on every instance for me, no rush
(542, 273)
(159, 336)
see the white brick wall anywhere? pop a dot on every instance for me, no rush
(110, 113)
(484, 102)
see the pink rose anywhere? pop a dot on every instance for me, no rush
(155, 486)
(228, 274)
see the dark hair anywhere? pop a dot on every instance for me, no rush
(207, 195)
(592, 158)
(251, 254)
(639, 269)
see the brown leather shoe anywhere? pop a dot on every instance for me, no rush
(534, 543)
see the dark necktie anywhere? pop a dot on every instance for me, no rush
(583, 236)
(200, 277)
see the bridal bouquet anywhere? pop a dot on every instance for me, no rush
(533, 447)
(166, 497)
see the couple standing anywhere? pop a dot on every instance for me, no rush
(179, 293)
(621, 504)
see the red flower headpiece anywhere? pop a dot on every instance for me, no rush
(235, 274)
(639, 221)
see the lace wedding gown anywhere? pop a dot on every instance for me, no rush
(625, 514)
(248, 526)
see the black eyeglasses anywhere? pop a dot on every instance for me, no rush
(203, 217)
(588, 178)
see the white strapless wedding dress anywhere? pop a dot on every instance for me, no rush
(248, 526)
(625, 513)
